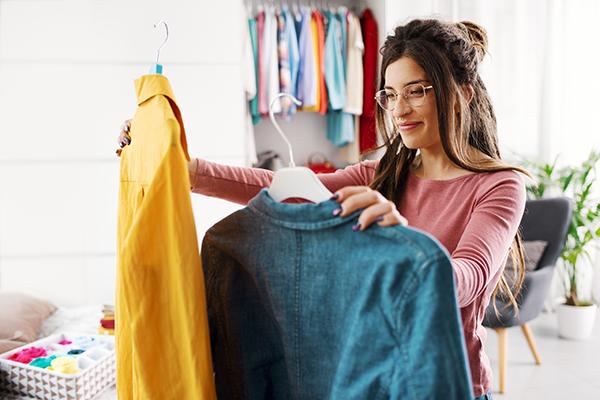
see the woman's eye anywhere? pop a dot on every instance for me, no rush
(415, 92)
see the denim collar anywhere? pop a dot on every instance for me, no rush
(304, 216)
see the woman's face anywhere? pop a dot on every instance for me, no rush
(418, 125)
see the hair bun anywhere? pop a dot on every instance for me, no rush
(477, 35)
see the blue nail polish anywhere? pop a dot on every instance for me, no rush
(337, 211)
(356, 226)
(379, 219)
(335, 197)
(127, 141)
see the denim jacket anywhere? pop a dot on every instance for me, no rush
(301, 306)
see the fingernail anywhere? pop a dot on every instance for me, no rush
(337, 211)
(122, 144)
(379, 219)
(335, 197)
(356, 226)
(127, 141)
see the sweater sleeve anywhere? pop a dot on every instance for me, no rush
(482, 250)
(240, 184)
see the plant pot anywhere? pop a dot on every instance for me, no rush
(576, 322)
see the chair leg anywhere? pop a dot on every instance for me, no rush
(502, 350)
(529, 336)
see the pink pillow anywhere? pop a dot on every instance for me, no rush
(21, 316)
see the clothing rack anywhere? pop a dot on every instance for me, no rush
(325, 65)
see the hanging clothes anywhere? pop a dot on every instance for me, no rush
(316, 29)
(161, 332)
(307, 72)
(326, 320)
(271, 60)
(249, 90)
(263, 107)
(335, 75)
(285, 75)
(368, 132)
(354, 66)
(321, 57)
(254, 42)
(350, 153)
(293, 56)
(340, 125)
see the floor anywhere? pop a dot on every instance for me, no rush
(570, 369)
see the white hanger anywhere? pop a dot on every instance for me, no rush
(156, 68)
(295, 182)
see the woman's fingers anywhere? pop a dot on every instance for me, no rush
(376, 207)
(124, 139)
(384, 214)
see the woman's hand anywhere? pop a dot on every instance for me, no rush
(377, 208)
(124, 139)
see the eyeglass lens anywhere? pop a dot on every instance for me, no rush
(413, 94)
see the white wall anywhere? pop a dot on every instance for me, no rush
(66, 84)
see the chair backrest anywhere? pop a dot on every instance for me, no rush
(548, 220)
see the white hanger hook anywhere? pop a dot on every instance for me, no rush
(274, 121)
(166, 38)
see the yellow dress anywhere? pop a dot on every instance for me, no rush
(161, 327)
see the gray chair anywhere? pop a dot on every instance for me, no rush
(546, 220)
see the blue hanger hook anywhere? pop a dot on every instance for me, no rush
(156, 68)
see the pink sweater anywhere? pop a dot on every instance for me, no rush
(474, 216)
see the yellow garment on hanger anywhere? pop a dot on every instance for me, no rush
(161, 327)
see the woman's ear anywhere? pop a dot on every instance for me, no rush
(468, 92)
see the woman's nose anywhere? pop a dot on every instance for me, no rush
(402, 108)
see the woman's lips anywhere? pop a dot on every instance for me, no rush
(407, 126)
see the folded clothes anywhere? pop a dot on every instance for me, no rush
(25, 356)
(108, 323)
(85, 342)
(44, 362)
(65, 365)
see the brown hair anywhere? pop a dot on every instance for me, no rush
(450, 55)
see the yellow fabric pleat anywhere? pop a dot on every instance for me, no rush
(161, 327)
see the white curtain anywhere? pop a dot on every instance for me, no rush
(542, 71)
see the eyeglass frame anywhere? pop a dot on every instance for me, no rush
(400, 94)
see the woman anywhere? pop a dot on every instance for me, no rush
(441, 171)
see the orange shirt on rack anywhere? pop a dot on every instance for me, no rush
(161, 333)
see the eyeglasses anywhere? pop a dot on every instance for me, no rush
(413, 94)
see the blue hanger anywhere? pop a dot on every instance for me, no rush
(157, 68)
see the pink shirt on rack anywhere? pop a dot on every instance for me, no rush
(474, 216)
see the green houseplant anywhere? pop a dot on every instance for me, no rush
(580, 184)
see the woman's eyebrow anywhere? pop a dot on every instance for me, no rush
(409, 83)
